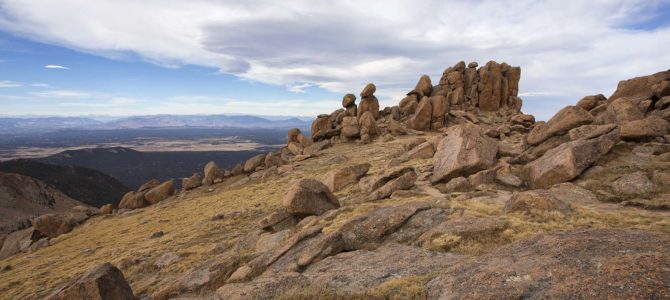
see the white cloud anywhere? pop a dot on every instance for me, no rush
(8, 84)
(56, 67)
(40, 85)
(61, 94)
(299, 88)
(566, 48)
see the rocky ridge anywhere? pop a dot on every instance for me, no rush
(453, 193)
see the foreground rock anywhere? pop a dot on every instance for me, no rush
(589, 264)
(309, 197)
(53, 225)
(465, 151)
(102, 282)
(19, 241)
(337, 179)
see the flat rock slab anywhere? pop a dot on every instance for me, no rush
(587, 264)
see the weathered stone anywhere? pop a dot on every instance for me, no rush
(590, 102)
(133, 200)
(424, 87)
(239, 168)
(458, 184)
(568, 160)
(567, 118)
(422, 151)
(396, 128)
(465, 150)
(624, 110)
(53, 225)
(348, 100)
(353, 273)
(212, 172)
(636, 183)
(104, 281)
(451, 232)
(374, 226)
(149, 185)
(338, 179)
(350, 128)
(585, 132)
(316, 148)
(309, 197)
(523, 119)
(253, 163)
(277, 221)
(644, 129)
(440, 107)
(490, 78)
(292, 135)
(367, 121)
(505, 177)
(106, 209)
(19, 241)
(403, 182)
(320, 126)
(368, 104)
(192, 182)
(535, 200)
(564, 265)
(369, 90)
(264, 287)
(160, 193)
(422, 117)
(639, 88)
(272, 159)
(408, 104)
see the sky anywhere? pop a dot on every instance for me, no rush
(297, 58)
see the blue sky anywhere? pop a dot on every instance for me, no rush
(298, 58)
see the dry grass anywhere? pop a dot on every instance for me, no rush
(408, 287)
(189, 231)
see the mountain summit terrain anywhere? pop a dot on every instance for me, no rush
(454, 193)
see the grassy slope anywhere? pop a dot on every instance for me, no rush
(189, 230)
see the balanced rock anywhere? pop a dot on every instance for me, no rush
(309, 197)
(368, 104)
(466, 150)
(369, 90)
(104, 281)
(348, 100)
(337, 179)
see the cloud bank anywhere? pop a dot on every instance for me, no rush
(567, 49)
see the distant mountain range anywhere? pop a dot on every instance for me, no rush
(48, 124)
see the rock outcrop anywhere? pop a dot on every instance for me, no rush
(465, 151)
(309, 197)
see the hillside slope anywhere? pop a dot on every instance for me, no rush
(23, 197)
(476, 201)
(86, 185)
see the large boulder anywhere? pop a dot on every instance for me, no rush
(149, 185)
(586, 264)
(568, 160)
(367, 122)
(624, 110)
(348, 100)
(490, 82)
(424, 87)
(321, 125)
(191, 182)
(465, 151)
(633, 184)
(292, 135)
(640, 88)
(102, 282)
(423, 115)
(53, 225)
(383, 185)
(337, 179)
(251, 164)
(273, 159)
(644, 129)
(567, 118)
(133, 200)
(590, 102)
(160, 193)
(212, 172)
(368, 90)
(309, 197)
(368, 104)
(19, 241)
